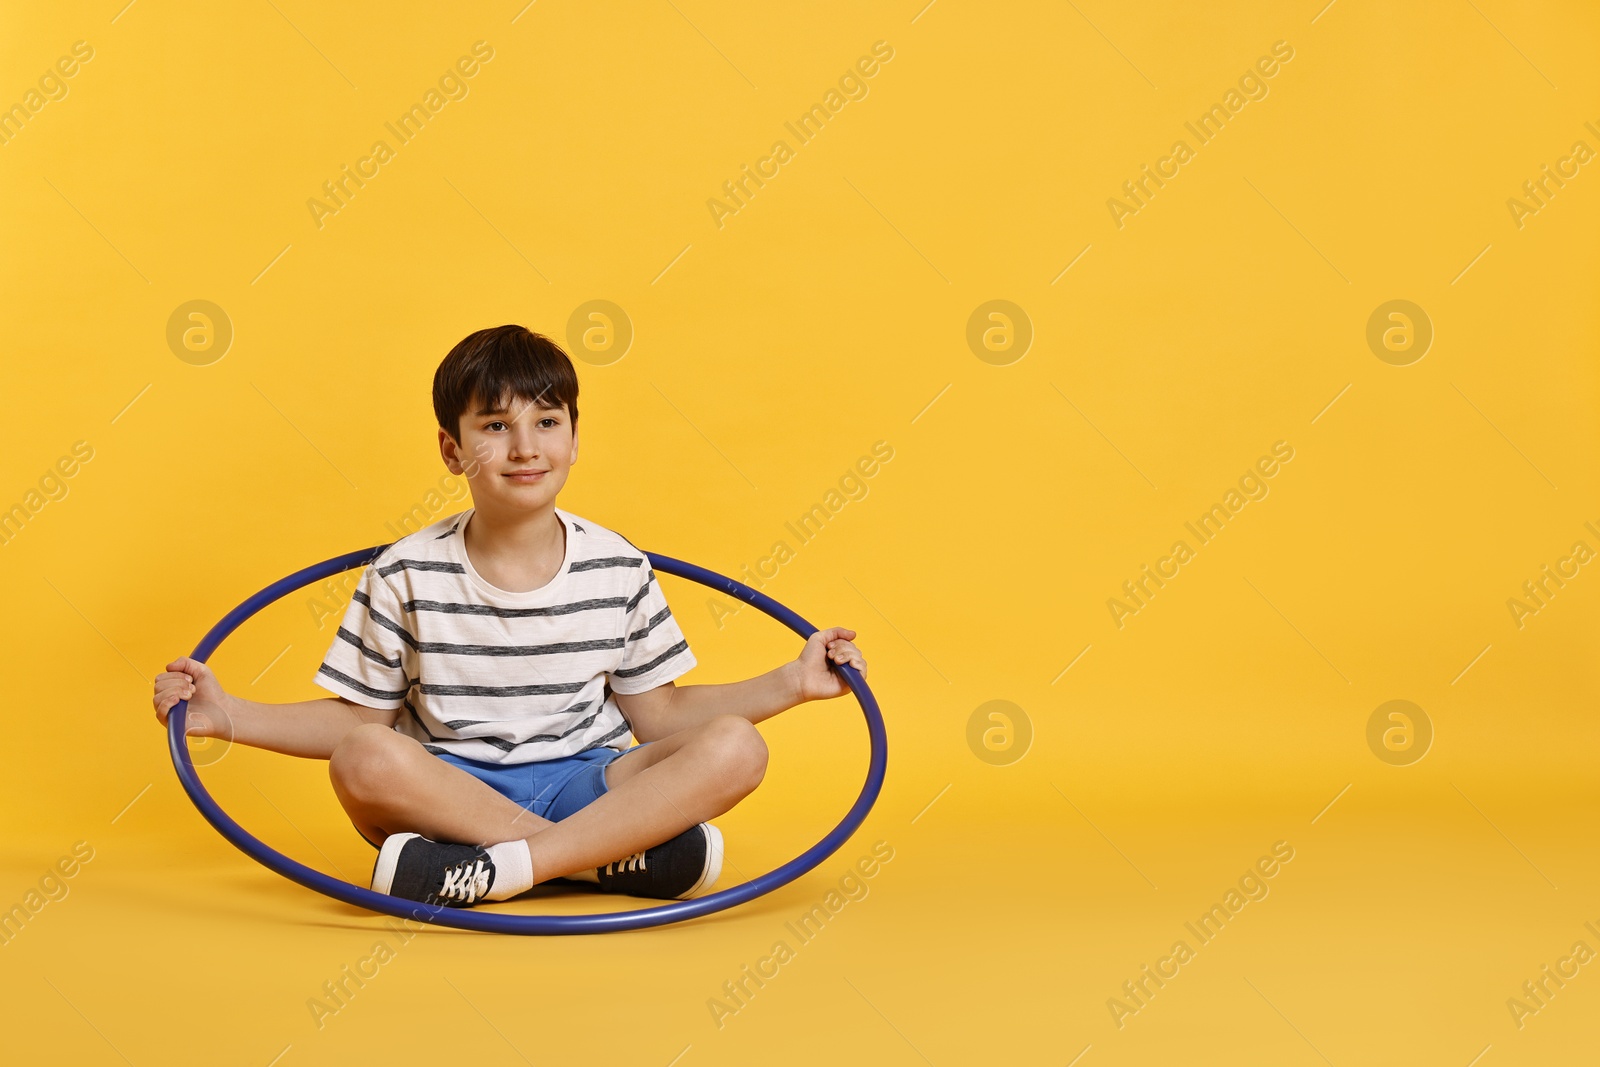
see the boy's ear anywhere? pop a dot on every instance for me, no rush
(450, 452)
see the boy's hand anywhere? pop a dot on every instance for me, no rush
(189, 679)
(816, 679)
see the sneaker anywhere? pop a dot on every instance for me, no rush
(432, 872)
(674, 870)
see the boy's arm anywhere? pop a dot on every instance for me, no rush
(311, 729)
(668, 708)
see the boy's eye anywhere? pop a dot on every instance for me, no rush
(546, 419)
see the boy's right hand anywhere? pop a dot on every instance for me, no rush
(189, 679)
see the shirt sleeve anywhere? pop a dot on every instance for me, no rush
(373, 657)
(655, 651)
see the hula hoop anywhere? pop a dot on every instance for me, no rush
(491, 922)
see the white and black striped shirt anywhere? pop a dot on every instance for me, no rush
(506, 677)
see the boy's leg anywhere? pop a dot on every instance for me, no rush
(653, 794)
(389, 783)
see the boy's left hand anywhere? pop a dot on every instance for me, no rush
(817, 680)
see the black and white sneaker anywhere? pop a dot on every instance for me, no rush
(673, 870)
(432, 872)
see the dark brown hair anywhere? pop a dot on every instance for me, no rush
(497, 364)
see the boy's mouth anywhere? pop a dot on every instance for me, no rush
(528, 476)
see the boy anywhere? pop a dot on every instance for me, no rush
(491, 666)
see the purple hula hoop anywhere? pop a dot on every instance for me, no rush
(492, 922)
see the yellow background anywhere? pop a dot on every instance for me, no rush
(830, 313)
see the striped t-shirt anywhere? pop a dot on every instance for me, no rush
(506, 677)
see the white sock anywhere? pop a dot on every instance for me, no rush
(513, 869)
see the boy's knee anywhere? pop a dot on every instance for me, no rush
(740, 750)
(368, 760)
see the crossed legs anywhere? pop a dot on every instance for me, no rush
(389, 783)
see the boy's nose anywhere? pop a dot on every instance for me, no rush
(524, 442)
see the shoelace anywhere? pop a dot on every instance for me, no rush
(634, 862)
(466, 881)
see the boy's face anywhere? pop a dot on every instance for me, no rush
(514, 436)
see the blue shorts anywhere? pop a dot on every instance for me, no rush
(552, 789)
